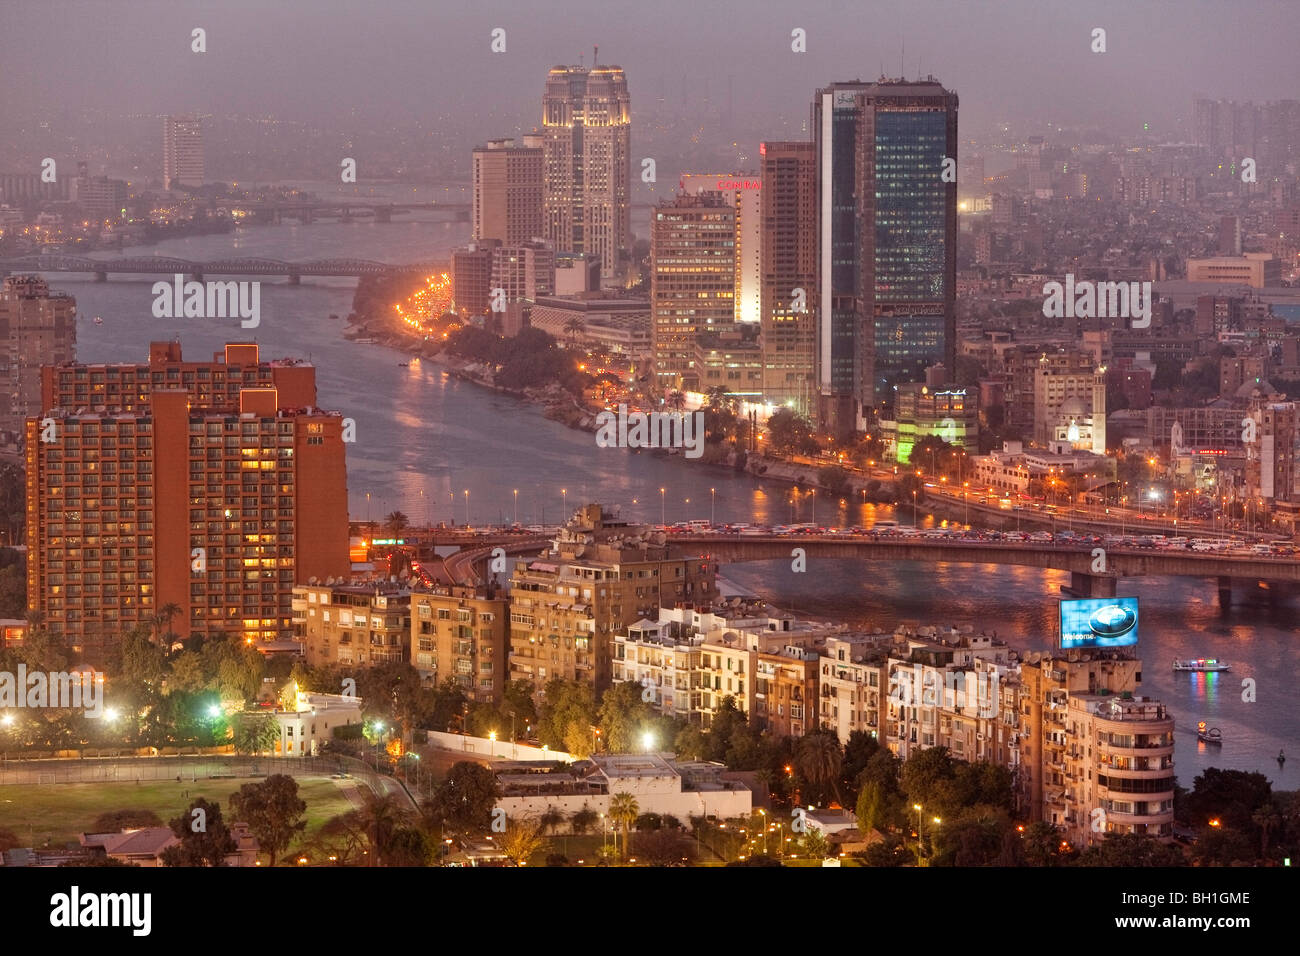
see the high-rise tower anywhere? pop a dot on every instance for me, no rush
(887, 241)
(182, 152)
(587, 138)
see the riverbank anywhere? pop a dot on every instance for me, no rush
(559, 405)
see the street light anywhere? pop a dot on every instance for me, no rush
(663, 506)
(516, 506)
(564, 504)
(467, 507)
(713, 494)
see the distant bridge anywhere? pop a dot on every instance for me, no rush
(169, 266)
(1077, 559)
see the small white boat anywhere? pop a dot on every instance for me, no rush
(1202, 665)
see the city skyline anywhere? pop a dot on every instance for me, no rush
(600, 436)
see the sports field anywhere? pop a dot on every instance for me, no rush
(59, 812)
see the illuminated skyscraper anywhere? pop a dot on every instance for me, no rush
(887, 241)
(692, 282)
(788, 267)
(182, 152)
(587, 137)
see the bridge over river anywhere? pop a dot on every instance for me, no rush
(1091, 574)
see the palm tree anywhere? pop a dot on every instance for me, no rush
(167, 612)
(396, 522)
(819, 759)
(676, 400)
(623, 810)
(379, 818)
(574, 326)
(1267, 819)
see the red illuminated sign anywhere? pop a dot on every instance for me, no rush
(727, 184)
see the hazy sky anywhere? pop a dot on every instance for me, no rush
(407, 59)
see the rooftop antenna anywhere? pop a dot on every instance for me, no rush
(902, 52)
(595, 56)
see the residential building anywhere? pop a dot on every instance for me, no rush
(355, 625)
(461, 633)
(37, 328)
(212, 486)
(1088, 743)
(600, 575)
(1070, 402)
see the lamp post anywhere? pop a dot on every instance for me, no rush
(713, 495)
(919, 859)
(663, 506)
(467, 507)
(516, 506)
(379, 732)
(564, 504)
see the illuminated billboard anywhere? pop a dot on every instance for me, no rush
(1099, 622)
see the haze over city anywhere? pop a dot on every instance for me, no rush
(617, 435)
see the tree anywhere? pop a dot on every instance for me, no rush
(575, 327)
(409, 846)
(169, 611)
(818, 758)
(624, 717)
(463, 801)
(1131, 849)
(396, 523)
(550, 819)
(522, 839)
(583, 820)
(623, 810)
(273, 811)
(563, 704)
(925, 776)
(815, 844)
(791, 434)
(205, 838)
(255, 733)
(663, 848)
(868, 808)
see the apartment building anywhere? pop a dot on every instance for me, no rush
(600, 575)
(353, 624)
(1088, 742)
(461, 633)
(215, 487)
(37, 327)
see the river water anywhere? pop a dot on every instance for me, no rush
(425, 439)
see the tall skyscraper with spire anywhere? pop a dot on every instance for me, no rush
(587, 139)
(887, 241)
